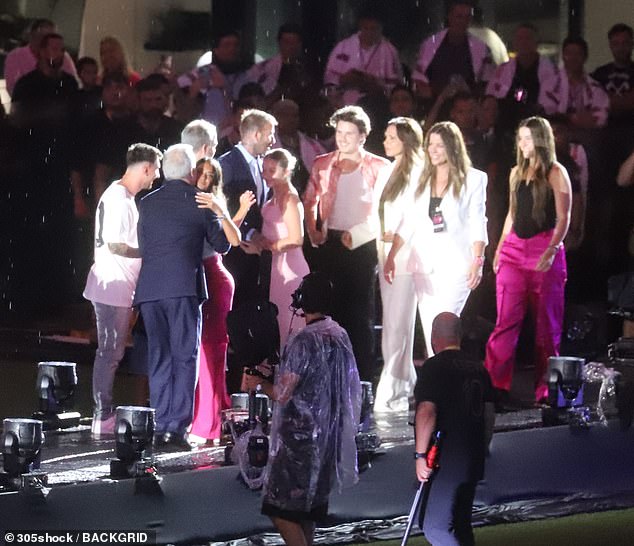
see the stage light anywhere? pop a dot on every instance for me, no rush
(565, 381)
(56, 383)
(133, 432)
(22, 440)
(565, 393)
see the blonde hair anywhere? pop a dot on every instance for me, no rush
(457, 157)
(255, 120)
(544, 159)
(116, 44)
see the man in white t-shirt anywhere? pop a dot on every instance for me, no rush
(112, 278)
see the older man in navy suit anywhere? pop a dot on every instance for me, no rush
(171, 287)
(242, 171)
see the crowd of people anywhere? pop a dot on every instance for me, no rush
(302, 184)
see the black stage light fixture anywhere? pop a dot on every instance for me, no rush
(565, 392)
(22, 441)
(565, 381)
(56, 384)
(133, 432)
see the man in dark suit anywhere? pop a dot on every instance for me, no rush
(171, 287)
(242, 171)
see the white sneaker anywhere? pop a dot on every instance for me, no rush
(103, 427)
(196, 440)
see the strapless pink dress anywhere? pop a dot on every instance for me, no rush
(287, 270)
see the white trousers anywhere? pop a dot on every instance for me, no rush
(438, 293)
(398, 377)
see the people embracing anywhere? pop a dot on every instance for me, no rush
(171, 288)
(211, 389)
(447, 228)
(530, 261)
(393, 191)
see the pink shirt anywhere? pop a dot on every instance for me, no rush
(353, 204)
(321, 191)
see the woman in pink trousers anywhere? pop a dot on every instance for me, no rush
(529, 262)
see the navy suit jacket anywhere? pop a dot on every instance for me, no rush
(236, 179)
(171, 231)
(245, 268)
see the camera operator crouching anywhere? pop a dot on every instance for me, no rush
(315, 420)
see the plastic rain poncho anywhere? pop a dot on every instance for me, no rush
(315, 419)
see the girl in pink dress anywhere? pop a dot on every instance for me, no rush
(211, 390)
(282, 234)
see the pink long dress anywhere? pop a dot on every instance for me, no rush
(287, 268)
(211, 390)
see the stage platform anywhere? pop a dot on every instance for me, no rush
(531, 473)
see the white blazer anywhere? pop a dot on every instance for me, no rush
(393, 213)
(450, 251)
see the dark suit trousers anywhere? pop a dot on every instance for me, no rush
(353, 275)
(244, 269)
(173, 331)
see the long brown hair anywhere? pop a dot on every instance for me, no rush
(215, 186)
(544, 159)
(457, 157)
(409, 132)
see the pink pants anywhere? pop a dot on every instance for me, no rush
(211, 390)
(518, 286)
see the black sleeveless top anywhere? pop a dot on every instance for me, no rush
(524, 224)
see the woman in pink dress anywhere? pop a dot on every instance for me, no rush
(283, 235)
(211, 390)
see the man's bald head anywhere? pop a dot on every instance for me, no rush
(446, 331)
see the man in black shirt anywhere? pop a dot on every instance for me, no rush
(43, 113)
(454, 395)
(155, 128)
(45, 98)
(617, 78)
(516, 83)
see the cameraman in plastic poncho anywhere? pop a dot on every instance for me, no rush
(317, 398)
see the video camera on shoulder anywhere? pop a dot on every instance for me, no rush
(314, 294)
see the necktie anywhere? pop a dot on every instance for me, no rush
(259, 183)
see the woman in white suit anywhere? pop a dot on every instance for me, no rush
(446, 227)
(394, 189)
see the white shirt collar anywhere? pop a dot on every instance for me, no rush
(249, 158)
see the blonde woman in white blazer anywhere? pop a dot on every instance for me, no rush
(446, 227)
(393, 191)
